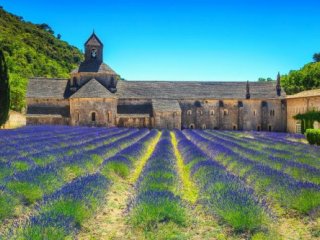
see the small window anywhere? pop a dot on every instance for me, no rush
(201, 112)
(191, 126)
(271, 113)
(174, 114)
(204, 127)
(93, 53)
(78, 116)
(109, 116)
(212, 112)
(225, 112)
(254, 112)
(93, 117)
(234, 127)
(189, 112)
(258, 128)
(270, 128)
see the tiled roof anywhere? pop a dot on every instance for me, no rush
(309, 93)
(47, 88)
(93, 89)
(93, 40)
(58, 88)
(161, 105)
(92, 66)
(195, 90)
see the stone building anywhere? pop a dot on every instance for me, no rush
(301, 103)
(95, 95)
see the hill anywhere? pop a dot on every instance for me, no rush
(33, 50)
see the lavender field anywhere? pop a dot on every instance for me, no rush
(59, 182)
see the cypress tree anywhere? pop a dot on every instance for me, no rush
(4, 90)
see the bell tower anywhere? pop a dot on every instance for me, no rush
(93, 49)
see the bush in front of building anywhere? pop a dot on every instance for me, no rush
(313, 136)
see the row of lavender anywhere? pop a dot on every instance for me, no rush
(278, 159)
(157, 197)
(63, 204)
(222, 193)
(279, 188)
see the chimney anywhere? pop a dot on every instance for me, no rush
(278, 85)
(248, 91)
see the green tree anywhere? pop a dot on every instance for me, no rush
(306, 78)
(31, 50)
(4, 90)
(316, 57)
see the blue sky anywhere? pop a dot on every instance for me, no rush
(226, 40)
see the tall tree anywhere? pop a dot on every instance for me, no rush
(4, 90)
(316, 57)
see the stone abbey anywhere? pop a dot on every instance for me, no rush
(95, 95)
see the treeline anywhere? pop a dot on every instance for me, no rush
(307, 78)
(32, 50)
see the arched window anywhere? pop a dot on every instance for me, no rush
(201, 112)
(225, 112)
(189, 112)
(204, 127)
(254, 112)
(258, 128)
(270, 128)
(77, 116)
(272, 113)
(191, 126)
(234, 127)
(93, 117)
(211, 112)
(109, 116)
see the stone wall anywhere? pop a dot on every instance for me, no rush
(261, 115)
(48, 106)
(93, 111)
(47, 120)
(134, 121)
(300, 105)
(79, 79)
(167, 120)
(15, 120)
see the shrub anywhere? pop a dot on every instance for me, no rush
(313, 136)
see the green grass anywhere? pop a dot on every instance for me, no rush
(44, 161)
(41, 233)
(69, 208)
(8, 205)
(20, 166)
(118, 168)
(30, 193)
(149, 215)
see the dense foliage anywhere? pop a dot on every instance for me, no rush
(316, 57)
(4, 90)
(313, 136)
(307, 78)
(31, 50)
(308, 119)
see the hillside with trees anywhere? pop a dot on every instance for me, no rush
(32, 50)
(307, 78)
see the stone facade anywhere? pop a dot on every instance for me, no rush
(93, 111)
(95, 95)
(301, 103)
